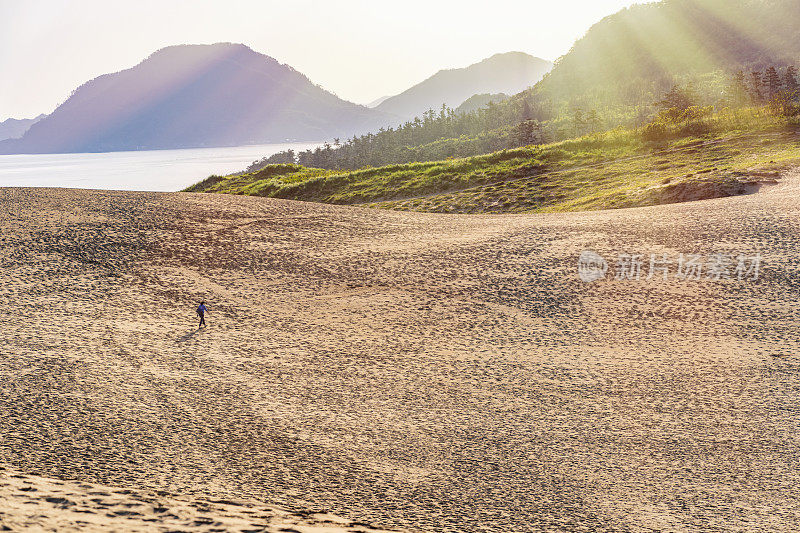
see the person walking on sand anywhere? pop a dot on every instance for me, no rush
(201, 312)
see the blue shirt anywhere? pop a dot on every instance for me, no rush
(201, 309)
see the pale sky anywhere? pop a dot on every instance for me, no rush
(359, 49)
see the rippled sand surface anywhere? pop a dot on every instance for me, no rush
(402, 370)
(33, 503)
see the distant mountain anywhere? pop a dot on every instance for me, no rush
(502, 73)
(378, 101)
(478, 101)
(195, 96)
(14, 128)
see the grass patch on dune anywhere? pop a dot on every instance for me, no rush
(709, 168)
(604, 171)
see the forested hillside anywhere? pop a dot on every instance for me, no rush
(683, 155)
(613, 76)
(628, 58)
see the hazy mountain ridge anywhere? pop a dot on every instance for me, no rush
(195, 96)
(14, 128)
(507, 73)
(646, 48)
(478, 101)
(377, 101)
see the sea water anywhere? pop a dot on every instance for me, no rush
(147, 170)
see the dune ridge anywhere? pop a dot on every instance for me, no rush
(407, 370)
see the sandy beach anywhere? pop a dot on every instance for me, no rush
(391, 370)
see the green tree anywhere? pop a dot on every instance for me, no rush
(578, 121)
(739, 95)
(790, 82)
(772, 83)
(593, 121)
(527, 114)
(676, 102)
(756, 87)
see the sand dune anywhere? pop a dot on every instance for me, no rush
(32, 503)
(418, 371)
